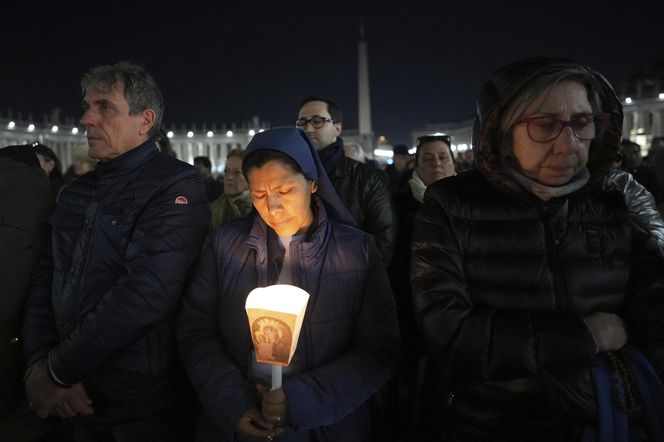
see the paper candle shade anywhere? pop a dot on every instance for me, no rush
(275, 316)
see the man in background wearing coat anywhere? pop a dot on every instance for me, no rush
(362, 188)
(99, 320)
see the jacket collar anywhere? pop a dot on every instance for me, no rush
(129, 160)
(331, 156)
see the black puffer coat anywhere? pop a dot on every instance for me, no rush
(25, 205)
(502, 281)
(365, 193)
(102, 305)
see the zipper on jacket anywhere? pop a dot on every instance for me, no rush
(552, 250)
(298, 278)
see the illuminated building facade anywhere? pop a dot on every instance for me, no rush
(186, 142)
(643, 120)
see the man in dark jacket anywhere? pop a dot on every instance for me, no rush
(100, 316)
(361, 188)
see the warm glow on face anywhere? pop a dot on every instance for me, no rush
(282, 197)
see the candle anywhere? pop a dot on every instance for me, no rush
(275, 315)
(276, 376)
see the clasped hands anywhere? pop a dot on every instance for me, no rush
(47, 398)
(270, 420)
(607, 329)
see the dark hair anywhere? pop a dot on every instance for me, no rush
(47, 152)
(656, 142)
(205, 160)
(332, 108)
(432, 137)
(164, 143)
(260, 157)
(400, 149)
(625, 142)
(140, 89)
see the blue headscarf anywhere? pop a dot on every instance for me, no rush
(295, 143)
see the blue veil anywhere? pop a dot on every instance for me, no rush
(294, 143)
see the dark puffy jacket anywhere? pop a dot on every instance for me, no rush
(365, 192)
(349, 341)
(102, 306)
(642, 207)
(502, 281)
(25, 205)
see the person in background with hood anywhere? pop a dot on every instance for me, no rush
(529, 271)
(300, 234)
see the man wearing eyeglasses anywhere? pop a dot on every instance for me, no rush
(360, 187)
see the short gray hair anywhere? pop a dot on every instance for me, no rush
(140, 89)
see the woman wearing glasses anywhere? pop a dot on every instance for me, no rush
(527, 271)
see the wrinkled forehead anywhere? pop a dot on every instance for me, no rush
(106, 90)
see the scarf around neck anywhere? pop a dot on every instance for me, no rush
(331, 155)
(542, 191)
(417, 186)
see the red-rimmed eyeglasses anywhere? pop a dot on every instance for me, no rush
(547, 128)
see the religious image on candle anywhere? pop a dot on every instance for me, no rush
(275, 316)
(272, 340)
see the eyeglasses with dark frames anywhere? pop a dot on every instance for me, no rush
(586, 127)
(316, 122)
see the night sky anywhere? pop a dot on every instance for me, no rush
(219, 63)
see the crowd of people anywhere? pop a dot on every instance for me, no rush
(517, 296)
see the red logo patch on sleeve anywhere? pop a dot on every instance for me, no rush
(181, 200)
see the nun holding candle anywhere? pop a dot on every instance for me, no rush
(300, 235)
